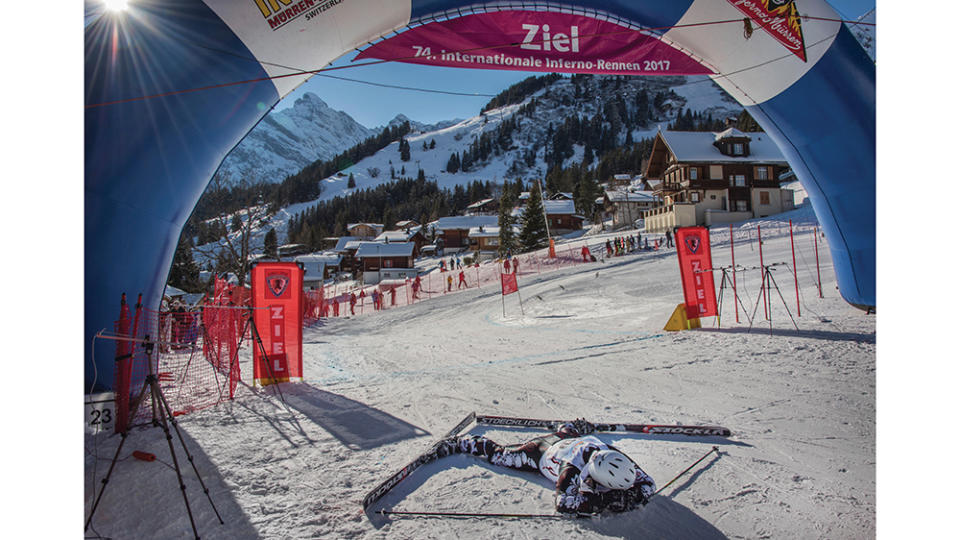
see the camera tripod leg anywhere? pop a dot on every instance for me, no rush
(169, 414)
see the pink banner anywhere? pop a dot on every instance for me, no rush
(535, 41)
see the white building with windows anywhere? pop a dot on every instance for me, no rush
(709, 178)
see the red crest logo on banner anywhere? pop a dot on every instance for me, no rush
(277, 283)
(277, 290)
(699, 294)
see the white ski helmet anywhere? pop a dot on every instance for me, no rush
(612, 469)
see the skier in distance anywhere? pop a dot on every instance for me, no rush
(590, 475)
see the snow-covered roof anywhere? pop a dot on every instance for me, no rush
(559, 207)
(377, 227)
(486, 232)
(397, 236)
(630, 196)
(465, 222)
(562, 195)
(694, 146)
(478, 204)
(326, 257)
(381, 249)
(407, 223)
(173, 291)
(344, 240)
(730, 132)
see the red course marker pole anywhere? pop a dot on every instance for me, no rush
(763, 275)
(796, 284)
(733, 266)
(816, 249)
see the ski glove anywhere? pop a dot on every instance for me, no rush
(584, 427)
(577, 428)
(577, 504)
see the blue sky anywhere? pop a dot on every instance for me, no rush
(374, 106)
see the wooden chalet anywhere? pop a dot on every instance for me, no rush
(453, 232)
(485, 242)
(379, 260)
(483, 207)
(318, 267)
(714, 178)
(406, 224)
(626, 207)
(366, 231)
(561, 215)
(410, 234)
(347, 249)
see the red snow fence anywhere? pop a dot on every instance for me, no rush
(192, 352)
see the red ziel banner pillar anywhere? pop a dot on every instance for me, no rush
(277, 289)
(696, 272)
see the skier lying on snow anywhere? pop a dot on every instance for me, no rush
(590, 475)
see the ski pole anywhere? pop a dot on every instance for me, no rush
(675, 478)
(468, 514)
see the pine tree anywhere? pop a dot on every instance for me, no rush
(404, 150)
(586, 194)
(351, 182)
(453, 164)
(270, 243)
(746, 123)
(533, 228)
(184, 272)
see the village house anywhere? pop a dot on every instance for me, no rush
(318, 267)
(626, 207)
(380, 261)
(410, 234)
(406, 224)
(620, 180)
(365, 231)
(453, 232)
(561, 216)
(347, 248)
(715, 178)
(287, 251)
(483, 207)
(484, 242)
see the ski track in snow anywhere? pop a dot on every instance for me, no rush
(380, 388)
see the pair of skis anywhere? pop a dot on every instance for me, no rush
(510, 421)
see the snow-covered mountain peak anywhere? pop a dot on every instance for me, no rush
(309, 103)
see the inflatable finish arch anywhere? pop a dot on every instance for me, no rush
(147, 161)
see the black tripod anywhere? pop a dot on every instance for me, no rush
(725, 278)
(255, 333)
(765, 286)
(151, 387)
